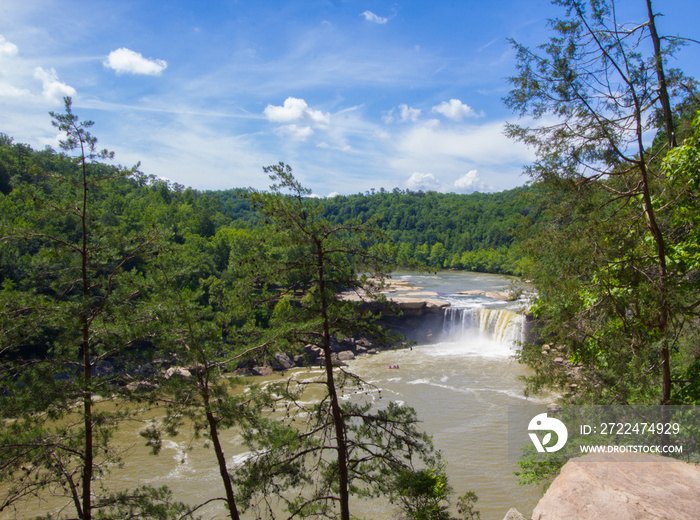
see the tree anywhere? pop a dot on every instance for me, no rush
(71, 314)
(347, 447)
(423, 494)
(598, 92)
(208, 330)
(682, 165)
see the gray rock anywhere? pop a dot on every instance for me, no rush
(282, 361)
(313, 351)
(513, 514)
(622, 486)
(346, 355)
(262, 371)
(177, 372)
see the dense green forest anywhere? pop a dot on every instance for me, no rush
(441, 230)
(119, 287)
(122, 288)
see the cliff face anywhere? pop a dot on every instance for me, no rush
(623, 487)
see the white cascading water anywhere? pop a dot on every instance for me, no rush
(503, 326)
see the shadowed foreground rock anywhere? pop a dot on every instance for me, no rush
(623, 487)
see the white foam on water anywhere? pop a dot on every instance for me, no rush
(476, 346)
(419, 382)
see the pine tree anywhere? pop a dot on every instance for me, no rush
(346, 446)
(72, 315)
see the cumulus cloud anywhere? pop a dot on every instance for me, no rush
(423, 181)
(454, 109)
(371, 17)
(467, 183)
(405, 114)
(296, 132)
(53, 89)
(8, 49)
(126, 61)
(470, 182)
(296, 110)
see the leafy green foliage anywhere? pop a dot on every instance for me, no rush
(437, 229)
(344, 448)
(423, 494)
(72, 311)
(614, 291)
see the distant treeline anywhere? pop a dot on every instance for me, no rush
(472, 232)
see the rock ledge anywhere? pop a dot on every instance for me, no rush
(622, 487)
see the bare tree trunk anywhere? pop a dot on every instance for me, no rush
(87, 369)
(663, 287)
(671, 141)
(663, 87)
(337, 412)
(221, 460)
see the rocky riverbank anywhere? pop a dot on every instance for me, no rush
(414, 313)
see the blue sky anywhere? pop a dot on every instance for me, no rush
(352, 94)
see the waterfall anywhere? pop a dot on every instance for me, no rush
(501, 325)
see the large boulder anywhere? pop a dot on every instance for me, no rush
(177, 372)
(282, 361)
(622, 487)
(346, 355)
(313, 351)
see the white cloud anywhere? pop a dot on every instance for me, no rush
(467, 183)
(332, 194)
(408, 113)
(405, 114)
(7, 90)
(371, 17)
(7, 48)
(454, 109)
(295, 109)
(451, 151)
(470, 182)
(485, 144)
(53, 89)
(126, 61)
(423, 181)
(296, 132)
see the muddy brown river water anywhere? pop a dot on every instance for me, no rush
(461, 386)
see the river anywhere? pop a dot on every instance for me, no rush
(461, 385)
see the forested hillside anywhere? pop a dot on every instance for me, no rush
(120, 292)
(442, 230)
